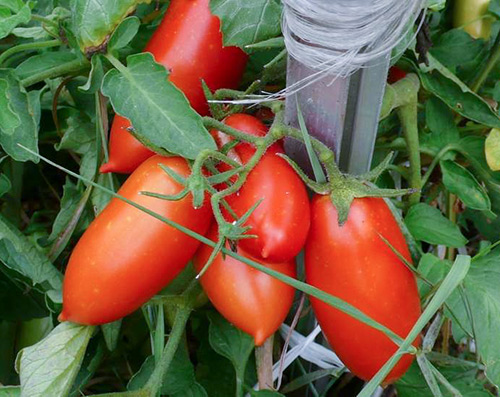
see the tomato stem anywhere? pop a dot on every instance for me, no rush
(28, 47)
(492, 61)
(74, 66)
(264, 362)
(155, 381)
(408, 116)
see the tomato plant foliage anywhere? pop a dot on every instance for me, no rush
(69, 67)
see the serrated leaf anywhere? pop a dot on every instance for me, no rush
(10, 18)
(461, 182)
(229, 341)
(94, 20)
(247, 22)
(50, 367)
(43, 62)
(438, 80)
(27, 131)
(159, 112)
(124, 33)
(428, 224)
(492, 149)
(483, 298)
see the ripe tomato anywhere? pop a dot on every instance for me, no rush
(281, 221)
(395, 74)
(353, 263)
(251, 300)
(126, 255)
(188, 42)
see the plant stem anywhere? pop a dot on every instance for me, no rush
(408, 116)
(493, 59)
(27, 47)
(44, 20)
(66, 68)
(264, 361)
(155, 381)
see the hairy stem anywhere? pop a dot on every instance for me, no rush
(28, 47)
(75, 66)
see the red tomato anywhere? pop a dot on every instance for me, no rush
(188, 42)
(251, 300)
(282, 219)
(126, 256)
(395, 74)
(353, 263)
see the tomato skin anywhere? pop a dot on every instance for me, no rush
(126, 255)
(395, 74)
(253, 301)
(188, 42)
(353, 263)
(282, 219)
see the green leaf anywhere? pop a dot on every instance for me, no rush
(492, 149)
(433, 269)
(69, 204)
(17, 14)
(446, 86)
(247, 22)
(462, 377)
(179, 378)
(9, 120)
(94, 20)
(43, 62)
(96, 75)
(229, 341)
(456, 48)
(27, 131)
(436, 5)
(50, 367)
(93, 358)
(10, 391)
(428, 224)
(5, 184)
(124, 33)
(461, 182)
(482, 296)
(439, 119)
(111, 332)
(159, 112)
(21, 258)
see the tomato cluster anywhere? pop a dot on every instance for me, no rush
(126, 255)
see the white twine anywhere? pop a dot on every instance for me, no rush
(339, 37)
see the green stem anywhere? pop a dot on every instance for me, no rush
(44, 20)
(75, 66)
(155, 381)
(28, 47)
(408, 116)
(492, 61)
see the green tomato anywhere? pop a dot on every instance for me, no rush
(471, 16)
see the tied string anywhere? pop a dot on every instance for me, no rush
(338, 37)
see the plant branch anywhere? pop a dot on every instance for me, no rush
(28, 47)
(75, 66)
